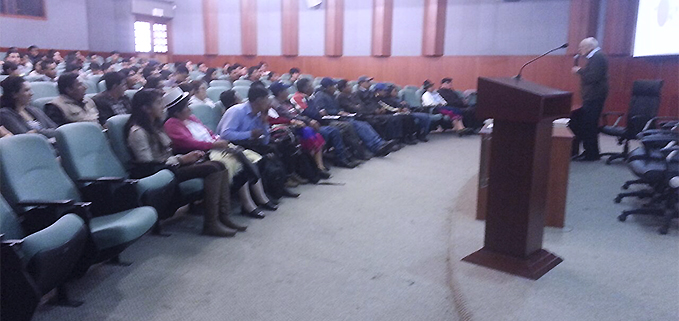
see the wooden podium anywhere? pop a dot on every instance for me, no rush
(518, 173)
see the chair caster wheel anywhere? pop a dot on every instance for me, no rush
(625, 186)
(622, 217)
(617, 200)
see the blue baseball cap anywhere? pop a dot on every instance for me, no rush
(278, 87)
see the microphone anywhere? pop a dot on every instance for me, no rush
(575, 60)
(538, 57)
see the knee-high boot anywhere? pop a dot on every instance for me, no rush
(211, 224)
(225, 205)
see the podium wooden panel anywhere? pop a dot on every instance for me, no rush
(518, 173)
(557, 187)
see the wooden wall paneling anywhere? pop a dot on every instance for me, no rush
(383, 13)
(434, 27)
(584, 17)
(334, 27)
(619, 28)
(290, 29)
(248, 20)
(211, 27)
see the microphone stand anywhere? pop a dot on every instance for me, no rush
(518, 77)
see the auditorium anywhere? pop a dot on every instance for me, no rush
(466, 160)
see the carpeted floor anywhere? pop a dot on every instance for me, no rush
(386, 244)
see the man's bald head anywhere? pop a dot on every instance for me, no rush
(587, 45)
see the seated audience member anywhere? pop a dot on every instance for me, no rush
(253, 74)
(10, 69)
(113, 100)
(387, 126)
(225, 71)
(34, 54)
(16, 114)
(189, 134)
(327, 102)
(310, 140)
(431, 98)
(332, 135)
(154, 82)
(114, 58)
(149, 143)
(4, 132)
(294, 75)
(45, 70)
(71, 105)
(229, 98)
(458, 104)
(423, 120)
(199, 96)
(181, 75)
(210, 75)
(384, 107)
(232, 73)
(95, 70)
(202, 67)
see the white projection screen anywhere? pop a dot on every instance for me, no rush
(657, 31)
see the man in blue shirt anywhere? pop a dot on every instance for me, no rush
(246, 122)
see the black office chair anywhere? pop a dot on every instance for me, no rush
(643, 107)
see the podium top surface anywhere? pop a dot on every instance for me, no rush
(518, 100)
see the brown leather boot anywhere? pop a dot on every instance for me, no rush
(211, 224)
(225, 205)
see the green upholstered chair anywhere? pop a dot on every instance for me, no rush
(86, 156)
(411, 97)
(242, 82)
(190, 191)
(221, 83)
(41, 102)
(220, 107)
(42, 89)
(130, 93)
(214, 92)
(242, 92)
(207, 115)
(101, 86)
(92, 87)
(35, 263)
(32, 179)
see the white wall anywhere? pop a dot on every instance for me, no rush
(229, 27)
(65, 27)
(311, 30)
(269, 28)
(408, 23)
(187, 28)
(490, 27)
(358, 26)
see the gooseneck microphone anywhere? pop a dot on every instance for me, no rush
(576, 59)
(538, 57)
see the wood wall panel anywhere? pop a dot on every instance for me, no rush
(552, 71)
(211, 27)
(434, 27)
(583, 19)
(334, 28)
(248, 21)
(620, 25)
(383, 13)
(290, 29)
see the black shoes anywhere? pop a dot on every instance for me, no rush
(346, 163)
(423, 138)
(288, 193)
(386, 148)
(256, 213)
(409, 141)
(585, 158)
(323, 173)
(465, 132)
(269, 206)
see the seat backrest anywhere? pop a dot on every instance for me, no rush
(101, 86)
(130, 93)
(411, 97)
(214, 92)
(414, 88)
(86, 153)
(41, 102)
(116, 136)
(643, 105)
(30, 171)
(242, 83)
(9, 223)
(242, 92)
(92, 87)
(220, 108)
(195, 75)
(207, 115)
(221, 83)
(42, 89)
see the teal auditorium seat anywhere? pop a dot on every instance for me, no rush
(42, 89)
(130, 93)
(101, 86)
(92, 86)
(242, 83)
(41, 102)
(214, 92)
(195, 75)
(411, 97)
(191, 190)
(32, 178)
(220, 107)
(208, 116)
(242, 92)
(34, 263)
(221, 83)
(86, 155)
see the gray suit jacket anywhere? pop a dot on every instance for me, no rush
(594, 78)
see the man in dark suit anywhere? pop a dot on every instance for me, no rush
(594, 89)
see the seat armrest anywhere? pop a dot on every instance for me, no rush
(43, 213)
(46, 203)
(604, 117)
(107, 180)
(652, 121)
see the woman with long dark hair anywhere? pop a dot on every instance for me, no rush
(17, 115)
(149, 143)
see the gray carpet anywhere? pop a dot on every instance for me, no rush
(387, 245)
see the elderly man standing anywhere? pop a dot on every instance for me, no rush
(594, 90)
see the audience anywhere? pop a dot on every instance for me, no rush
(431, 98)
(181, 75)
(199, 96)
(16, 114)
(71, 105)
(112, 101)
(45, 70)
